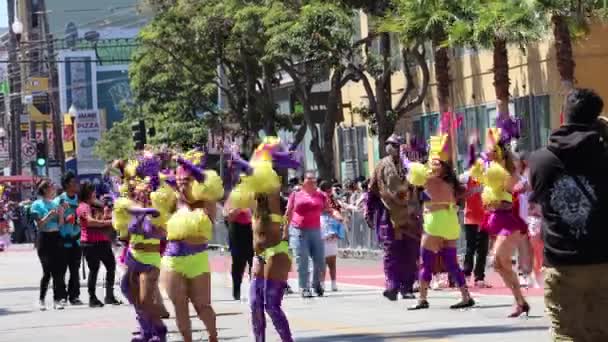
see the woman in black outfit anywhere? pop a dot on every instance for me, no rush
(48, 216)
(240, 239)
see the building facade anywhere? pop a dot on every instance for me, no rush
(536, 95)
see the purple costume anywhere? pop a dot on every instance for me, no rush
(150, 329)
(402, 246)
(267, 295)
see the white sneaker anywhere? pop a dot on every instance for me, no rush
(42, 305)
(334, 286)
(58, 305)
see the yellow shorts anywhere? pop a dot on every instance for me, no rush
(442, 223)
(190, 266)
(147, 258)
(281, 247)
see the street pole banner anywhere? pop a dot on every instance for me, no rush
(88, 132)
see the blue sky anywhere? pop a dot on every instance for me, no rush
(3, 14)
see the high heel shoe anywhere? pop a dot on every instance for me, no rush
(520, 310)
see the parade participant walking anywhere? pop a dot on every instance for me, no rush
(260, 189)
(70, 237)
(141, 221)
(568, 180)
(393, 209)
(96, 246)
(48, 216)
(185, 269)
(303, 214)
(441, 226)
(497, 174)
(240, 240)
(477, 239)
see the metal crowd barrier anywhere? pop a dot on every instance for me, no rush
(360, 240)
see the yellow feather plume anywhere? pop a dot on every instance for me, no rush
(186, 224)
(241, 197)
(212, 189)
(476, 171)
(131, 168)
(494, 181)
(121, 217)
(418, 174)
(164, 200)
(264, 179)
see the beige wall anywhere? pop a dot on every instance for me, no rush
(532, 72)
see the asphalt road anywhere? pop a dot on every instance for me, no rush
(356, 313)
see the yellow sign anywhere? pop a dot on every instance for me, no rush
(68, 134)
(40, 108)
(36, 84)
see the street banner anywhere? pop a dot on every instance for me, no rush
(77, 80)
(68, 134)
(88, 133)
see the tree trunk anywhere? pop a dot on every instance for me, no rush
(442, 72)
(269, 105)
(563, 52)
(501, 77)
(383, 95)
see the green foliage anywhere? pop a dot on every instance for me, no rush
(115, 143)
(579, 13)
(420, 20)
(515, 22)
(171, 73)
(316, 36)
(184, 135)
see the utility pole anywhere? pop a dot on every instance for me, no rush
(15, 97)
(53, 90)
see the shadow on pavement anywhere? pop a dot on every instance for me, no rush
(435, 333)
(6, 312)
(20, 289)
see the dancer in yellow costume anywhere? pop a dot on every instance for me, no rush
(185, 263)
(496, 172)
(259, 189)
(441, 226)
(143, 228)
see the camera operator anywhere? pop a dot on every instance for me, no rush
(568, 180)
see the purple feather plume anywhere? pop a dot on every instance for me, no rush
(149, 165)
(195, 171)
(144, 211)
(509, 129)
(284, 160)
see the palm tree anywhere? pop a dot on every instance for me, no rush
(418, 21)
(495, 24)
(570, 19)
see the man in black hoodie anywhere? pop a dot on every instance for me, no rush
(569, 182)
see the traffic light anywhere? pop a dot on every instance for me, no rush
(41, 154)
(138, 130)
(151, 131)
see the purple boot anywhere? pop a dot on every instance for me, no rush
(274, 297)
(160, 333)
(258, 318)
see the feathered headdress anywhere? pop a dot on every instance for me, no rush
(272, 150)
(260, 175)
(148, 167)
(440, 148)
